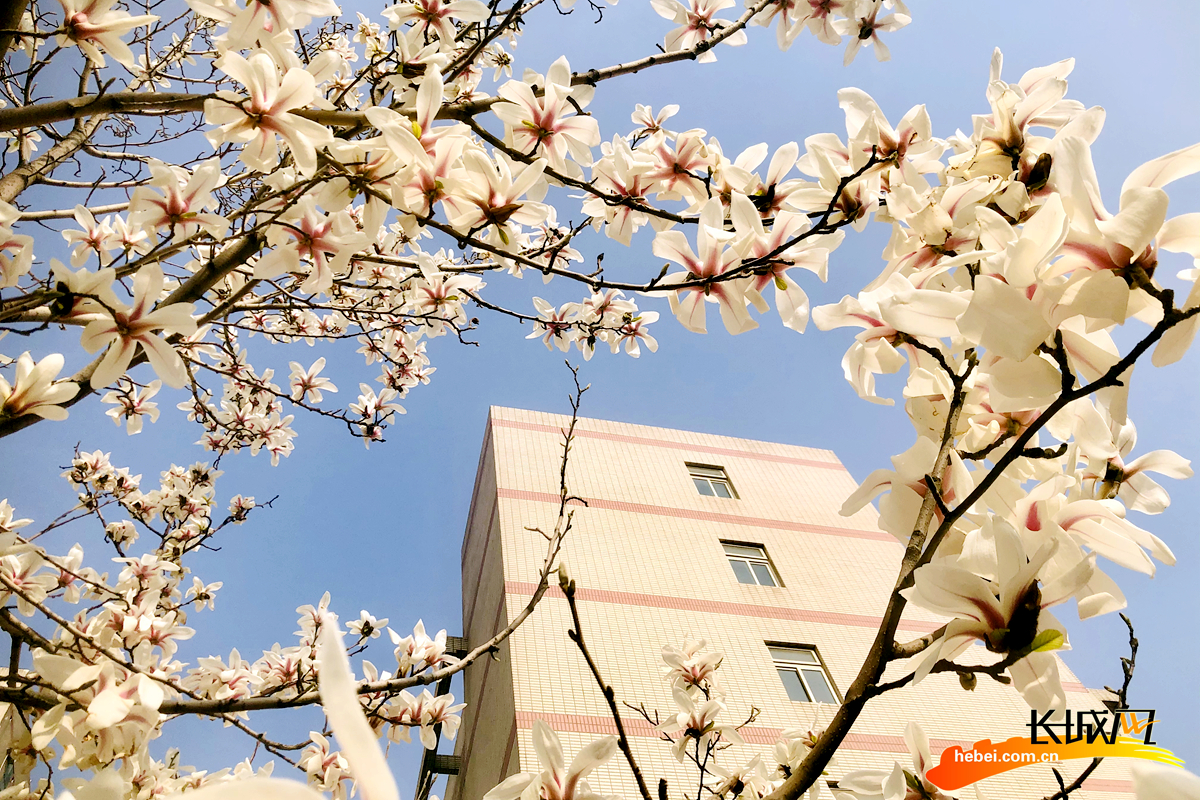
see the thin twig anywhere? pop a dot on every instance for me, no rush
(576, 636)
(1127, 665)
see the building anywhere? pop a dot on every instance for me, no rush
(689, 534)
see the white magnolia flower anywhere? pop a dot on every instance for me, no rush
(1006, 612)
(130, 326)
(695, 723)
(697, 23)
(34, 390)
(180, 200)
(131, 405)
(258, 121)
(556, 781)
(95, 26)
(307, 384)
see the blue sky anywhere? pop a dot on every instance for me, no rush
(381, 529)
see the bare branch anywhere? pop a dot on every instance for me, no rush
(1127, 665)
(67, 213)
(576, 636)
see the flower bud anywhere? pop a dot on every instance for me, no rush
(565, 581)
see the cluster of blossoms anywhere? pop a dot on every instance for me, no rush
(691, 672)
(827, 20)
(1005, 277)
(107, 667)
(361, 189)
(605, 316)
(109, 675)
(331, 246)
(390, 714)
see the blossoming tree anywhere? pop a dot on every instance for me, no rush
(301, 176)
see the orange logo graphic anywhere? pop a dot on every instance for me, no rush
(1091, 734)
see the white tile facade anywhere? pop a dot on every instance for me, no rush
(647, 557)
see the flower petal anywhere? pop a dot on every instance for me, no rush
(339, 697)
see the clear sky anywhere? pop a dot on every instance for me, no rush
(381, 528)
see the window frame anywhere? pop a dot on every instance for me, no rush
(713, 475)
(750, 561)
(798, 667)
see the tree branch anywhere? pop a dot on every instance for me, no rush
(576, 636)
(554, 545)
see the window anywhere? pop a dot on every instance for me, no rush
(711, 481)
(803, 674)
(750, 564)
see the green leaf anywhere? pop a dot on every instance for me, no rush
(1046, 641)
(996, 636)
(913, 783)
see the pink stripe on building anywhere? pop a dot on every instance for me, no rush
(700, 605)
(706, 516)
(584, 433)
(867, 742)
(719, 607)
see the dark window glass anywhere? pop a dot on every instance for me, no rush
(711, 481)
(795, 688)
(764, 574)
(801, 655)
(742, 571)
(819, 686)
